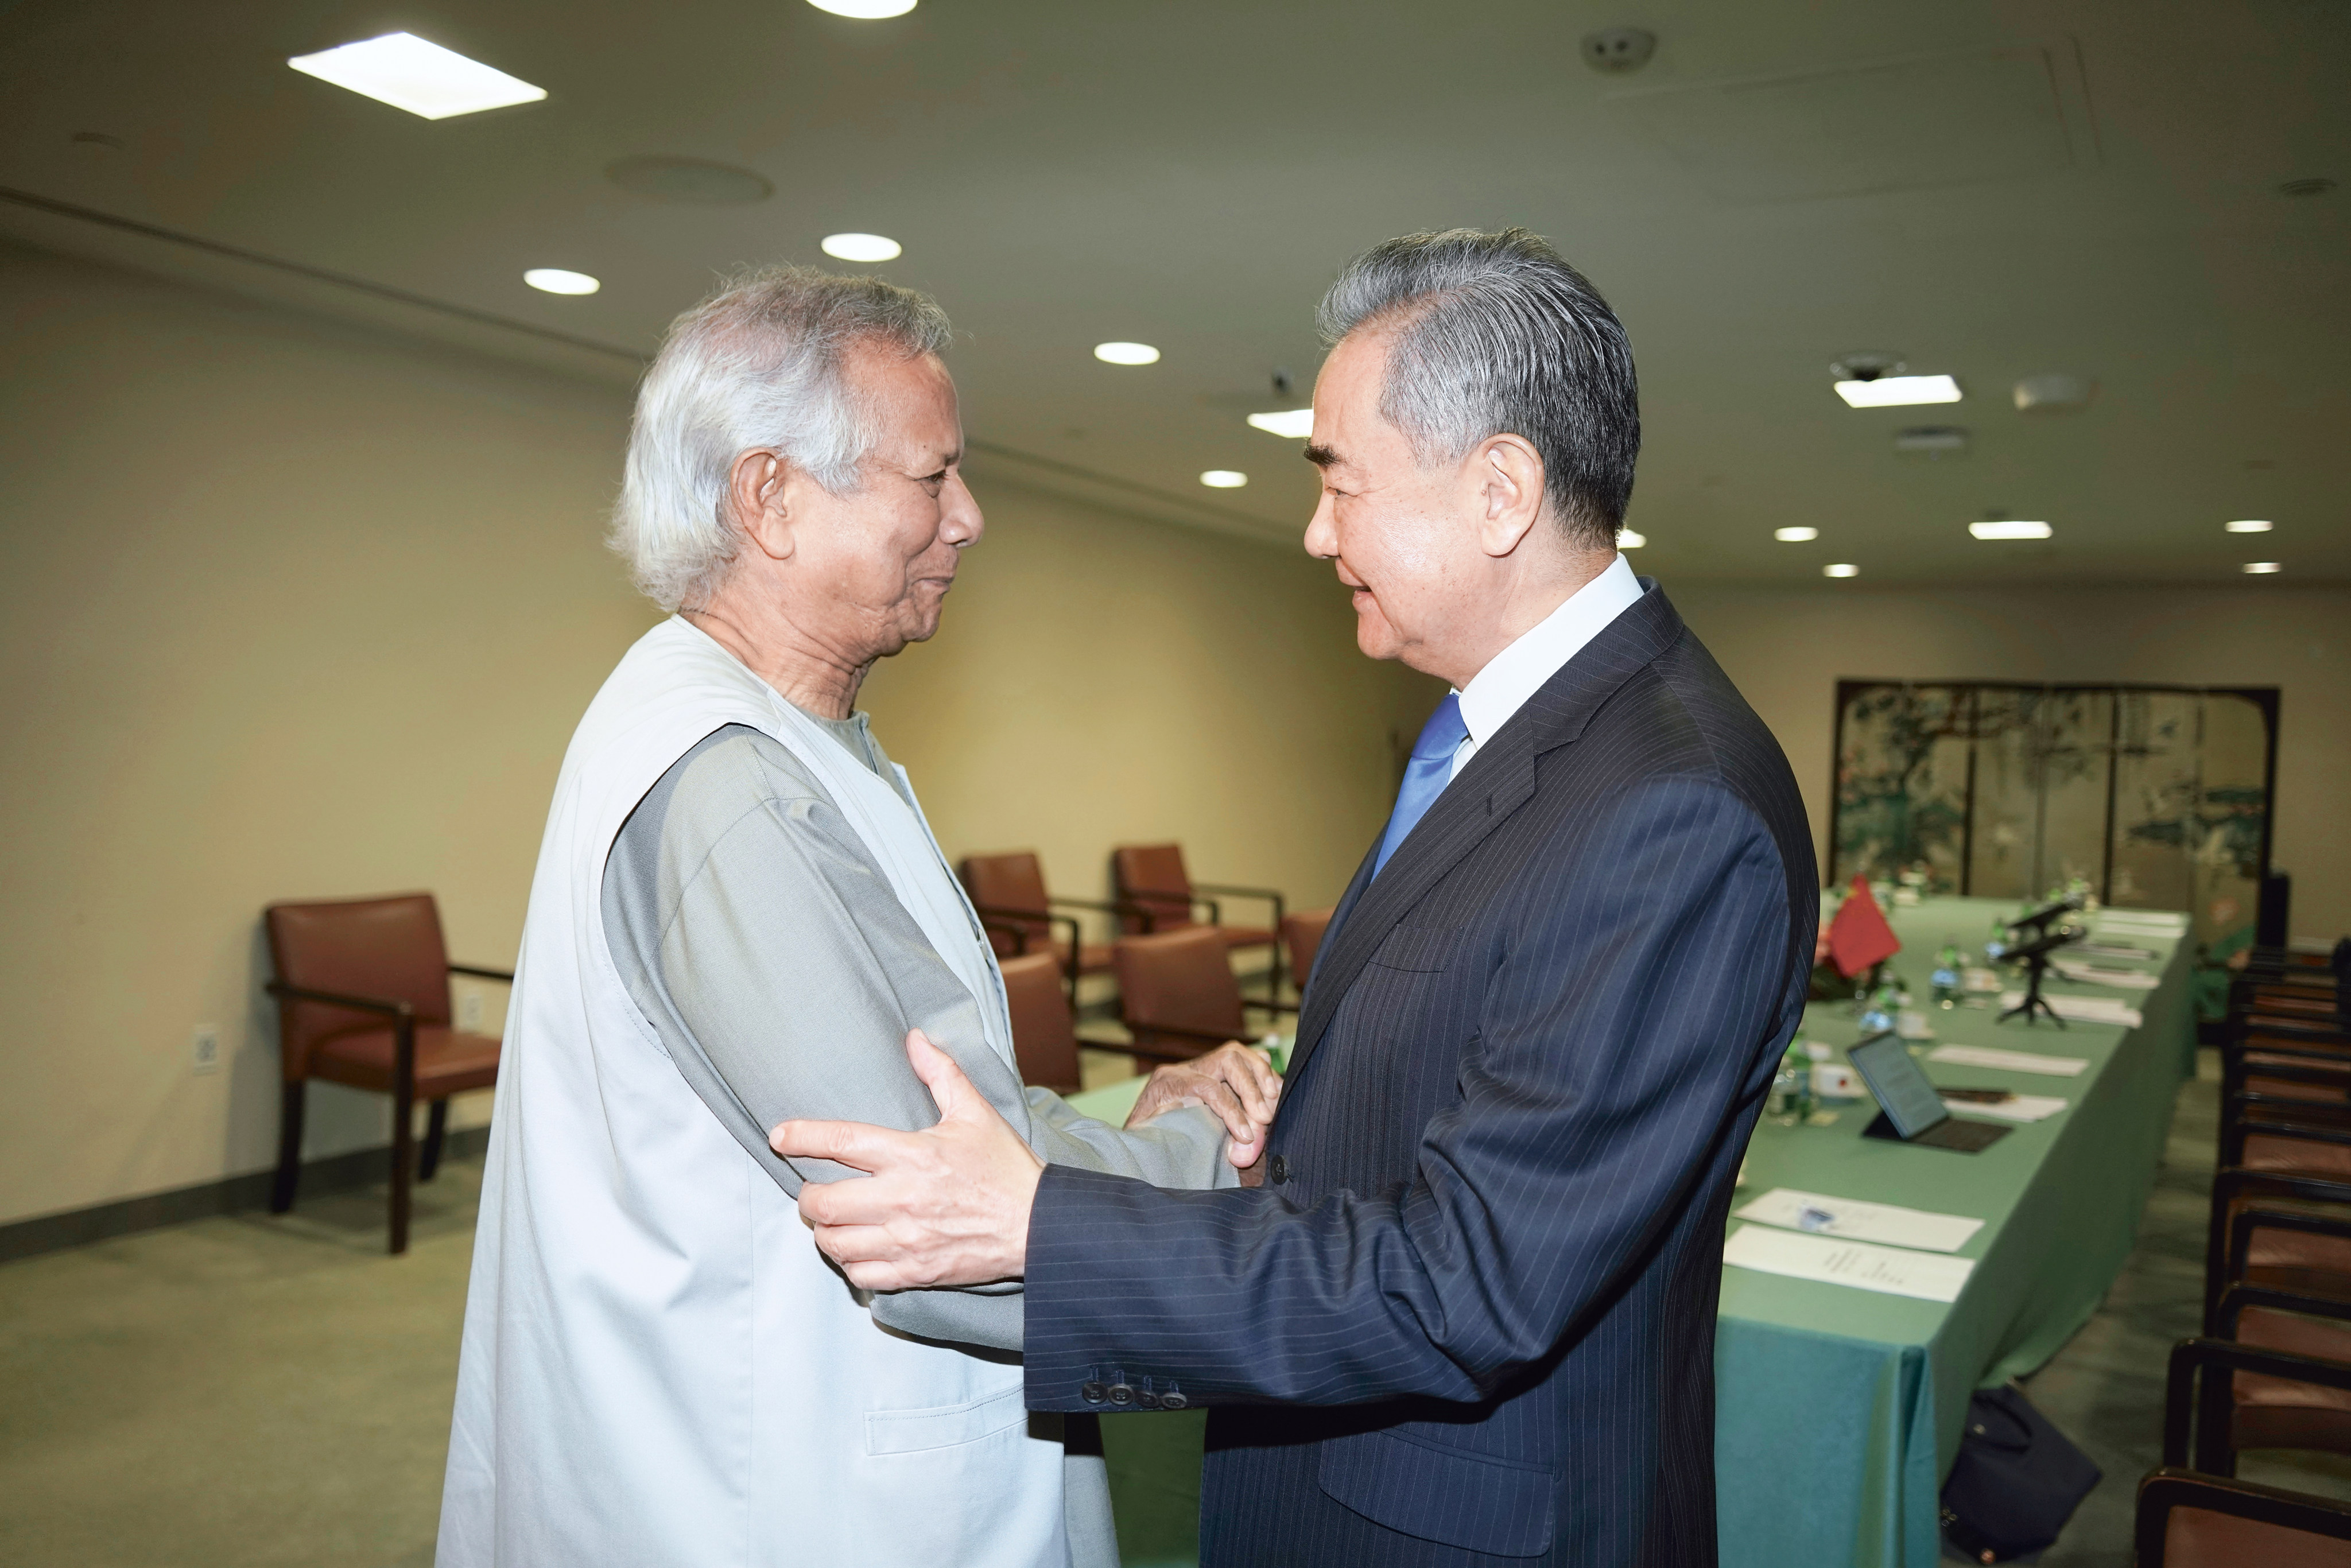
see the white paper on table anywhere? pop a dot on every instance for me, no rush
(2141, 922)
(1850, 1218)
(2015, 1108)
(2081, 1010)
(2009, 1060)
(2099, 975)
(1894, 1271)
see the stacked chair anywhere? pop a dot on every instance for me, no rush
(1044, 1032)
(1178, 994)
(1156, 894)
(2272, 1367)
(1009, 893)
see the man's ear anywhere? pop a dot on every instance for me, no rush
(1507, 474)
(758, 490)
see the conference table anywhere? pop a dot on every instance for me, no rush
(1839, 1409)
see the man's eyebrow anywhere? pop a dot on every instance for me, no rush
(1323, 456)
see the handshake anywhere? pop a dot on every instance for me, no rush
(949, 1204)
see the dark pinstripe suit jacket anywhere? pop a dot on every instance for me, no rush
(1474, 1321)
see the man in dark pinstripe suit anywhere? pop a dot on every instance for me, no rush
(1468, 1317)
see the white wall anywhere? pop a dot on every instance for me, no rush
(1787, 649)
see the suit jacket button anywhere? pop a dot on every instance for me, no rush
(1092, 1393)
(1172, 1400)
(1277, 1171)
(1146, 1399)
(1121, 1396)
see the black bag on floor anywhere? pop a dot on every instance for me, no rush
(2016, 1482)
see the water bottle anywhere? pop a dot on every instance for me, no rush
(1781, 1104)
(1946, 978)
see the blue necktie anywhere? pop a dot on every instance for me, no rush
(1426, 776)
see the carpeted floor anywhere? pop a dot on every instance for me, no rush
(257, 1392)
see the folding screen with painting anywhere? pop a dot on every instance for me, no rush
(2155, 796)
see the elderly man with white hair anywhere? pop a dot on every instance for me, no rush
(740, 916)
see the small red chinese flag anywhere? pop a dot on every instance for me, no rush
(1859, 935)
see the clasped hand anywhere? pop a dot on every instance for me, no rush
(949, 1204)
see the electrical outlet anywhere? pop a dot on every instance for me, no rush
(206, 1054)
(469, 1011)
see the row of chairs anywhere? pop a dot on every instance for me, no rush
(1155, 892)
(364, 997)
(1177, 997)
(2272, 1369)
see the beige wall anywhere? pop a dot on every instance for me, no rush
(294, 609)
(1098, 682)
(1787, 650)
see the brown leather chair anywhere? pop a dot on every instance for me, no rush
(1176, 994)
(2186, 1519)
(1152, 878)
(1044, 1039)
(1301, 934)
(363, 991)
(1009, 893)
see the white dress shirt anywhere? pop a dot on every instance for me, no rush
(1497, 692)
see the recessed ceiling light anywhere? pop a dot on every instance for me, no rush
(861, 248)
(1297, 424)
(1627, 539)
(2010, 529)
(2262, 567)
(1893, 392)
(864, 10)
(1126, 353)
(2250, 525)
(1795, 536)
(555, 280)
(406, 72)
(1224, 478)
(1842, 569)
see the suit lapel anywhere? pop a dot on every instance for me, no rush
(1499, 780)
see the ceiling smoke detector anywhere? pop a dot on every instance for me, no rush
(1619, 51)
(691, 180)
(1931, 441)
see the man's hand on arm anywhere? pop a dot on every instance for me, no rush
(1233, 1083)
(946, 1206)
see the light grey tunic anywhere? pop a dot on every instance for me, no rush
(763, 942)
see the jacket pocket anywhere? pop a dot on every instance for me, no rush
(944, 1426)
(1442, 1493)
(1422, 949)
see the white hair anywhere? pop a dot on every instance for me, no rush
(757, 365)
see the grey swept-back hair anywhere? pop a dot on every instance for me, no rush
(758, 364)
(1494, 334)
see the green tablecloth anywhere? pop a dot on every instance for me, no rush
(1838, 1410)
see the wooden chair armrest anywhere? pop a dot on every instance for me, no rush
(2170, 1486)
(2191, 1357)
(1231, 890)
(386, 1005)
(2241, 1295)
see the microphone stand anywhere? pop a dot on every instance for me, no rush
(2034, 956)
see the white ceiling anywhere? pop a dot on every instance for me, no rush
(1990, 189)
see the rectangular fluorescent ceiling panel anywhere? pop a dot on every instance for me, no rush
(1297, 424)
(2011, 531)
(1897, 391)
(406, 72)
